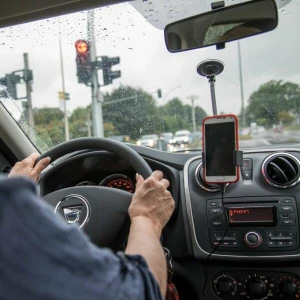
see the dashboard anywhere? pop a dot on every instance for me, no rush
(244, 245)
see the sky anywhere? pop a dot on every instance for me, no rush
(145, 62)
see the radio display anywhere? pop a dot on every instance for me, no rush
(244, 215)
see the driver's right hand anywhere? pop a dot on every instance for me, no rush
(152, 200)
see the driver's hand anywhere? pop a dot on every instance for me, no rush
(152, 200)
(25, 167)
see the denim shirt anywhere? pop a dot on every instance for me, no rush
(42, 257)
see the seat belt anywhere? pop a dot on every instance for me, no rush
(172, 293)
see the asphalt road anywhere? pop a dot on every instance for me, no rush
(271, 138)
(263, 139)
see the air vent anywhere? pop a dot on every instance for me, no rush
(281, 170)
(212, 188)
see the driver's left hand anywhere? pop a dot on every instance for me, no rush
(26, 167)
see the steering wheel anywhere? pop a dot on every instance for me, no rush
(101, 212)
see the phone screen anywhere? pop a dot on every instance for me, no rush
(219, 148)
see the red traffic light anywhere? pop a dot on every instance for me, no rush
(82, 46)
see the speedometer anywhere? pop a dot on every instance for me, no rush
(119, 181)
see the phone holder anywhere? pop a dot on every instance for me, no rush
(237, 158)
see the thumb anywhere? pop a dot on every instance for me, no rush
(41, 165)
(139, 180)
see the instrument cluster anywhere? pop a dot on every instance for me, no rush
(117, 181)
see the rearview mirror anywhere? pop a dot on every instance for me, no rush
(222, 25)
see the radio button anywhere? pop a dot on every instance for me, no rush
(284, 215)
(287, 208)
(281, 244)
(291, 243)
(213, 211)
(234, 244)
(287, 222)
(270, 233)
(287, 201)
(215, 204)
(218, 224)
(280, 233)
(291, 233)
(234, 234)
(271, 244)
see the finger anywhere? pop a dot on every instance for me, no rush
(165, 183)
(157, 175)
(30, 160)
(41, 165)
(139, 180)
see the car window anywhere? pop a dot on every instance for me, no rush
(156, 90)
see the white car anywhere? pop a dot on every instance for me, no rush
(181, 137)
(149, 140)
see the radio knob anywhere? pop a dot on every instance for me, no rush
(287, 288)
(256, 287)
(252, 239)
(225, 285)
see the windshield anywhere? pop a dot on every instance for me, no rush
(56, 96)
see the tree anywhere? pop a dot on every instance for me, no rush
(265, 106)
(177, 116)
(49, 125)
(134, 117)
(285, 118)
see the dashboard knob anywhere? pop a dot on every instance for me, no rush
(252, 239)
(225, 286)
(256, 287)
(287, 288)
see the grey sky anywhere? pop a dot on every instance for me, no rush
(145, 62)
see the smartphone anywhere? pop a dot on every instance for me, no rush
(220, 140)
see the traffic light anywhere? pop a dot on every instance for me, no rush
(83, 61)
(108, 74)
(10, 81)
(159, 93)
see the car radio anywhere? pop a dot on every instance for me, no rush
(253, 226)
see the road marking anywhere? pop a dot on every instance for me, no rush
(266, 142)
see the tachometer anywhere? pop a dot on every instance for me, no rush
(119, 181)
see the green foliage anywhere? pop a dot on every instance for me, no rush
(139, 115)
(134, 117)
(49, 125)
(177, 116)
(274, 101)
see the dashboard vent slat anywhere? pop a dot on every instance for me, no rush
(281, 170)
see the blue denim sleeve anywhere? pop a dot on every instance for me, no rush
(42, 257)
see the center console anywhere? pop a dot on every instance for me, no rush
(264, 225)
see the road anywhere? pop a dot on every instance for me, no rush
(271, 138)
(266, 138)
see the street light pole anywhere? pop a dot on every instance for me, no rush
(241, 85)
(193, 98)
(66, 121)
(96, 97)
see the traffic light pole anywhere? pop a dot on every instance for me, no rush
(66, 121)
(96, 97)
(28, 92)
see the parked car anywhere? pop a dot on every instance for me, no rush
(150, 140)
(182, 137)
(167, 137)
(120, 138)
